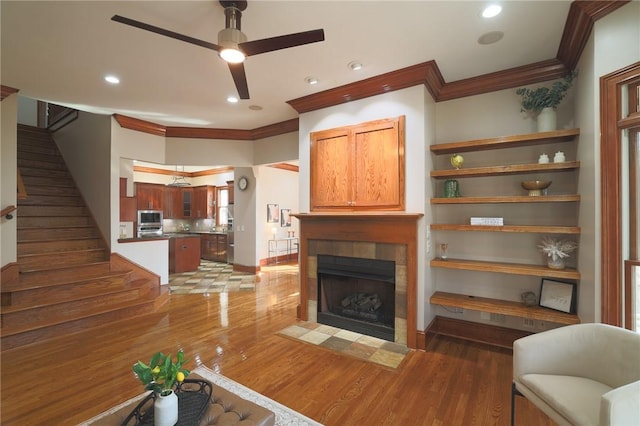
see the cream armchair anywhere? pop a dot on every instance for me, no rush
(584, 374)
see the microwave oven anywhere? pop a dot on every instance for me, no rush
(148, 217)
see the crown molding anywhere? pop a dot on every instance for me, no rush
(6, 91)
(140, 125)
(209, 172)
(286, 166)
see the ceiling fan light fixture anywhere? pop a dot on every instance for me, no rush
(233, 56)
(229, 39)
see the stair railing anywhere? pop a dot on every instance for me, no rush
(58, 116)
(6, 212)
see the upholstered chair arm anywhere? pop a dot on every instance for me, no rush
(621, 406)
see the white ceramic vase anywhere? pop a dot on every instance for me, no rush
(555, 264)
(547, 120)
(165, 410)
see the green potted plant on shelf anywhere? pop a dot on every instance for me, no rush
(543, 101)
(160, 376)
(557, 251)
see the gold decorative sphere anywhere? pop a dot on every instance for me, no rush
(457, 160)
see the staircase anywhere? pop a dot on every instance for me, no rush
(68, 280)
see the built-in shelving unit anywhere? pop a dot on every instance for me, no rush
(503, 307)
(492, 305)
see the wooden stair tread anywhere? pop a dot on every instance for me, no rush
(10, 331)
(49, 284)
(63, 267)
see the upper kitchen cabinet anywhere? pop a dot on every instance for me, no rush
(360, 167)
(150, 196)
(172, 202)
(204, 202)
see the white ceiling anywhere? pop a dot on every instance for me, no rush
(59, 51)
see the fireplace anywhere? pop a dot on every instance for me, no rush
(357, 294)
(389, 236)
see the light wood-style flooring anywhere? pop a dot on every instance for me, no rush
(73, 378)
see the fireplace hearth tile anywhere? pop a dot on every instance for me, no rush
(367, 348)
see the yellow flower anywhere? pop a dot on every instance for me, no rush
(180, 376)
(156, 370)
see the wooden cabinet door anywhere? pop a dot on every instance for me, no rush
(331, 171)
(149, 196)
(359, 167)
(203, 205)
(184, 254)
(379, 177)
(169, 202)
(186, 202)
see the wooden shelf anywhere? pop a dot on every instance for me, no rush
(506, 268)
(505, 142)
(504, 307)
(531, 229)
(508, 199)
(505, 170)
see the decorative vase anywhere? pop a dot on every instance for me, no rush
(547, 120)
(558, 263)
(165, 410)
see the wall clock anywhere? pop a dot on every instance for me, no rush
(243, 183)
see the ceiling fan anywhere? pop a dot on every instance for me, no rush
(232, 45)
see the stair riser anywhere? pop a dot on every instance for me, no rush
(64, 275)
(47, 234)
(38, 261)
(57, 246)
(52, 191)
(22, 339)
(43, 165)
(64, 293)
(28, 171)
(44, 200)
(46, 157)
(39, 211)
(52, 222)
(30, 181)
(26, 149)
(66, 311)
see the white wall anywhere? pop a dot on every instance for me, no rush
(8, 172)
(413, 104)
(27, 111)
(85, 145)
(614, 44)
(208, 152)
(276, 149)
(245, 212)
(275, 186)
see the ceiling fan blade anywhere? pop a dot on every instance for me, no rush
(264, 45)
(240, 79)
(162, 31)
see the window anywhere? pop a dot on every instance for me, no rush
(222, 213)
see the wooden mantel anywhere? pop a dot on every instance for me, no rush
(377, 227)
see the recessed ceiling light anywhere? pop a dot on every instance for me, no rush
(490, 38)
(232, 99)
(354, 65)
(491, 11)
(311, 80)
(111, 79)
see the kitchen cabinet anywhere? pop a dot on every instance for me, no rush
(204, 202)
(507, 178)
(231, 192)
(214, 247)
(187, 202)
(128, 205)
(149, 196)
(184, 254)
(360, 167)
(172, 202)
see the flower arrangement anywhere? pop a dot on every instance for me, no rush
(161, 373)
(544, 97)
(557, 249)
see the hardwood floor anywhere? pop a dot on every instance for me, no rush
(73, 378)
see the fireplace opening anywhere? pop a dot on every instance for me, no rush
(357, 294)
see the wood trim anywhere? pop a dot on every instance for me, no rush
(140, 125)
(388, 82)
(119, 263)
(577, 29)
(276, 129)
(629, 293)
(286, 166)
(476, 332)
(610, 172)
(7, 91)
(393, 228)
(22, 190)
(10, 273)
(204, 133)
(7, 210)
(210, 172)
(247, 269)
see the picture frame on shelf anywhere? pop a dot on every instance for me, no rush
(273, 213)
(285, 218)
(558, 295)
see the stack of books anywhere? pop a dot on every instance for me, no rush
(487, 221)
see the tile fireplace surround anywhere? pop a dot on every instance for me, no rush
(380, 235)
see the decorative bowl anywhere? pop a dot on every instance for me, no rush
(535, 187)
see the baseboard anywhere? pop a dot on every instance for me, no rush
(246, 269)
(285, 258)
(476, 332)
